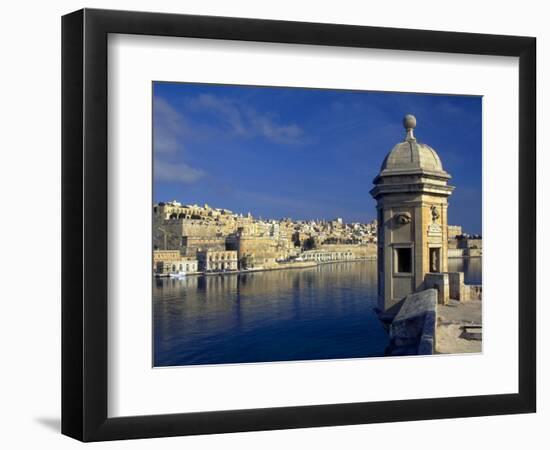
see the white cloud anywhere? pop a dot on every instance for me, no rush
(244, 121)
(223, 109)
(169, 127)
(174, 130)
(278, 133)
(176, 172)
(165, 143)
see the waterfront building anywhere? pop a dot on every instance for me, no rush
(453, 231)
(168, 233)
(260, 246)
(471, 245)
(166, 262)
(469, 241)
(326, 256)
(173, 221)
(358, 251)
(210, 260)
(411, 192)
(260, 243)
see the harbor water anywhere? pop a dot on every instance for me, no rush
(323, 312)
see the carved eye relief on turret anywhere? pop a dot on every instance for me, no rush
(402, 218)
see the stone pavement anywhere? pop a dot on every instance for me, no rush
(457, 327)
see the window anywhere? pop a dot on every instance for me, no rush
(404, 260)
(434, 260)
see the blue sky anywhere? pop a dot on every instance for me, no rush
(304, 153)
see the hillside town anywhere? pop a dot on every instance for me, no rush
(192, 239)
(201, 239)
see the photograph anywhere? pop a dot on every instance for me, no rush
(299, 224)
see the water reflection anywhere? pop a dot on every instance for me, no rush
(470, 266)
(317, 313)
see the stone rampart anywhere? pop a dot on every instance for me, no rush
(412, 331)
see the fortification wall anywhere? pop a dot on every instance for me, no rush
(413, 330)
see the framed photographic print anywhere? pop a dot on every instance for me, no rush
(273, 224)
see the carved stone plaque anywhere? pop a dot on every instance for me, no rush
(434, 229)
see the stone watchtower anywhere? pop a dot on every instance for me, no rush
(411, 193)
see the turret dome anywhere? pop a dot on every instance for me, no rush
(412, 157)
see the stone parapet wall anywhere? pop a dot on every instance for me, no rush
(426, 344)
(413, 329)
(440, 282)
(456, 285)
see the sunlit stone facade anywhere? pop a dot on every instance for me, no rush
(217, 260)
(411, 191)
(167, 262)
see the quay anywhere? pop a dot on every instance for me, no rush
(280, 266)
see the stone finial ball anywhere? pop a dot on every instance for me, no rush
(409, 121)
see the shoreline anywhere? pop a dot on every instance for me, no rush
(292, 266)
(464, 257)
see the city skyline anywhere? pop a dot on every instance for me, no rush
(259, 217)
(304, 153)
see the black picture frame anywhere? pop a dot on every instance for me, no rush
(84, 224)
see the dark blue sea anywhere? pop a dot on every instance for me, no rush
(324, 312)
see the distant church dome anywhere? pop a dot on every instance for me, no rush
(411, 156)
